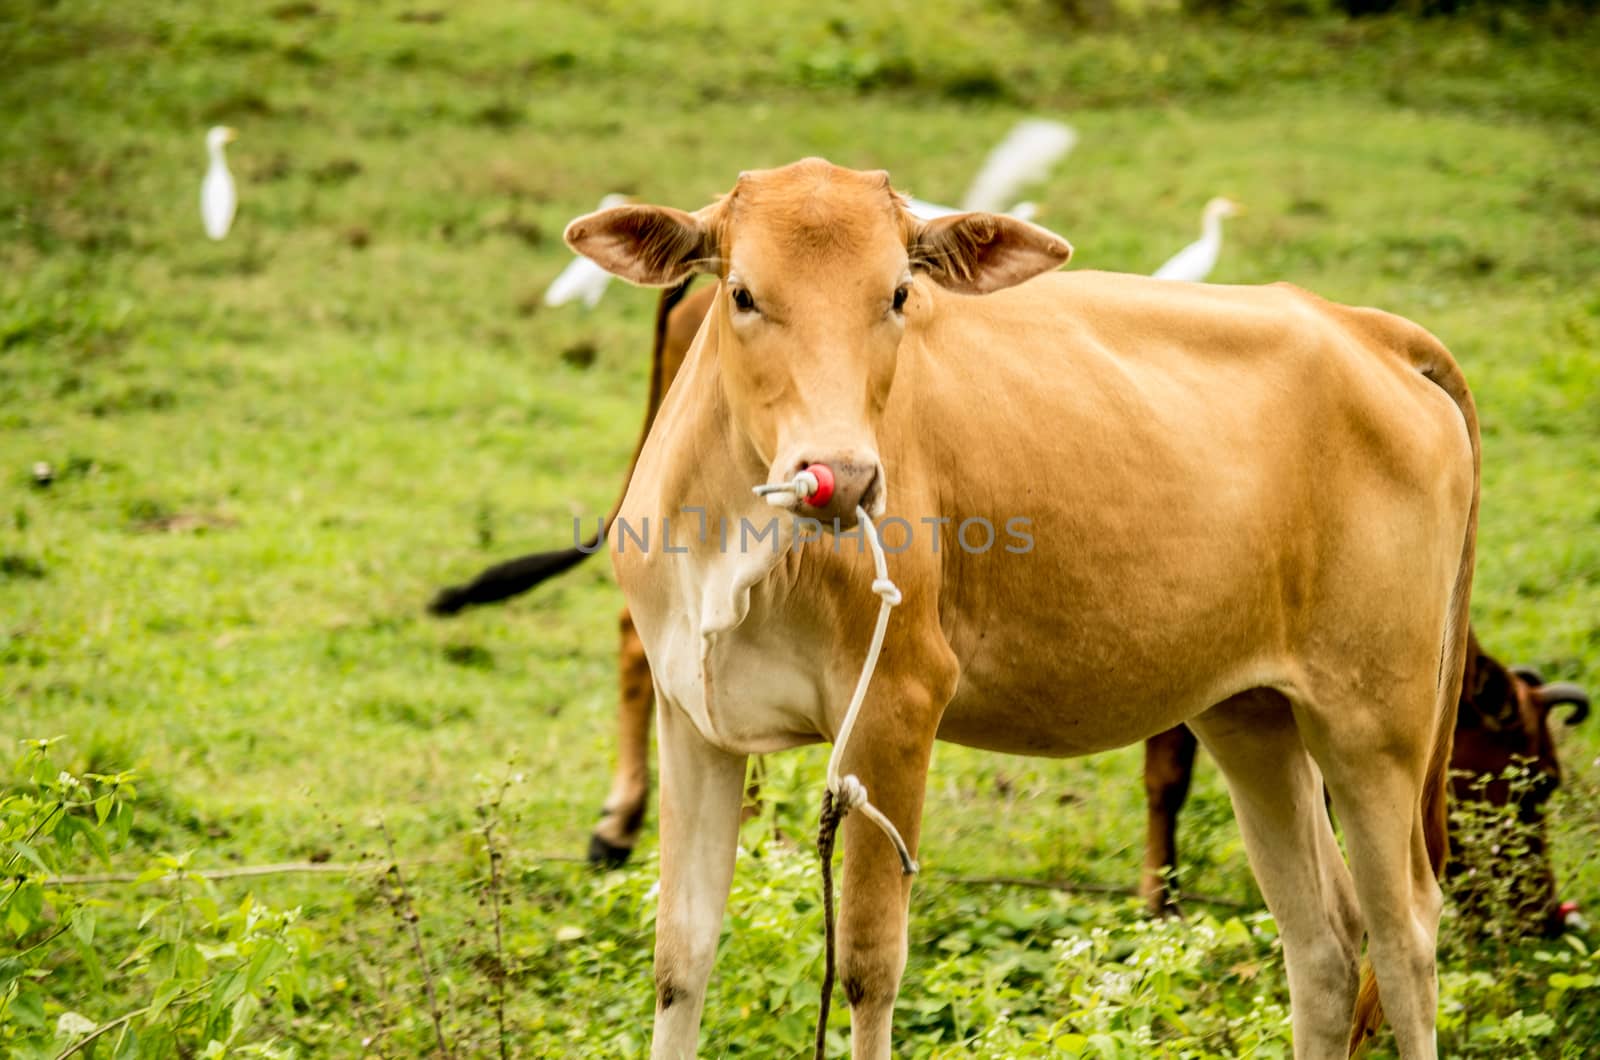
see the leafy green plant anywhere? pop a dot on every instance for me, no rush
(189, 975)
(1499, 870)
(1502, 988)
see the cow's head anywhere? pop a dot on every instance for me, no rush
(817, 267)
(1504, 724)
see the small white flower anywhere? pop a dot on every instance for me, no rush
(71, 1024)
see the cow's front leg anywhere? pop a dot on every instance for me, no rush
(891, 758)
(701, 793)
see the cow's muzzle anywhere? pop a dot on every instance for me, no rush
(856, 480)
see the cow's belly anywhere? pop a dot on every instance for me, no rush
(1057, 722)
(1123, 646)
(1063, 705)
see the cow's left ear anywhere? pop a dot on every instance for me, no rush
(654, 246)
(975, 253)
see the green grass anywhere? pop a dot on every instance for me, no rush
(360, 398)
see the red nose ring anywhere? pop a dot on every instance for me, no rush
(824, 492)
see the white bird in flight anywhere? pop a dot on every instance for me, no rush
(1194, 262)
(1024, 157)
(217, 197)
(1030, 150)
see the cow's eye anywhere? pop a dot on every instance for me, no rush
(743, 300)
(901, 293)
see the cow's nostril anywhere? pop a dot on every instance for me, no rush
(834, 484)
(870, 494)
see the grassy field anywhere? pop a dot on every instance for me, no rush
(267, 452)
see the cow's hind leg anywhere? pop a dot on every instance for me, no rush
(1277, 796)
(614, 837)
(1168, 770)
(1376, 764)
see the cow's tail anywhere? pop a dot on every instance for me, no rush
(513, 577)
(1434, 362)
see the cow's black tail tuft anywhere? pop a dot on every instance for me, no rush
(509, 579)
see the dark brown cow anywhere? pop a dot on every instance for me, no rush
(1508, 725)
(1504, 722)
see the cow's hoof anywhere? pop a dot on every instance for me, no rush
(606, 855)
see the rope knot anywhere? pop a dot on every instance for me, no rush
(849, 793)
(887, 591)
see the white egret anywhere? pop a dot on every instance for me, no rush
(1194, 262)
(218, 200)
(583, 278)
(1026, 156)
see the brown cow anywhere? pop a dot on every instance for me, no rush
(1302, 604)
(1503, 715)
(1503, 722)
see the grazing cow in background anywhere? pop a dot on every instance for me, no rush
(1508, 725)
(1228, 490)
(1503, 721)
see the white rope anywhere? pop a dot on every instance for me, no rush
(849, 792)
(802, 485)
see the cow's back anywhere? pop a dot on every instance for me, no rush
(1217, 480)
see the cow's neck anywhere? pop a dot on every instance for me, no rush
(714, 470)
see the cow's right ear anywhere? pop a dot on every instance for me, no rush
(654, 246)
(976, 253)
